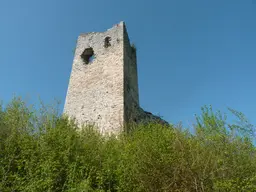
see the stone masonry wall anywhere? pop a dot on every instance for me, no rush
(104, 90)
(131, 92)
(95, 92)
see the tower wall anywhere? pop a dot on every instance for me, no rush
(96, 90)
(131, 92)
(104, 90)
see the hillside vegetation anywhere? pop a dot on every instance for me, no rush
(42, 151)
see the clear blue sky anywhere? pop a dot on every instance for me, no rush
(190, 53)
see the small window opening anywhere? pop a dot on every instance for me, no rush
(88, 55)
(107, 42)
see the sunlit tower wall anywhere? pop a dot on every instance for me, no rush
(103, 86)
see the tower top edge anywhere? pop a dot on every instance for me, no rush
(120, 24)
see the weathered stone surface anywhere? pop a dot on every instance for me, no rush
(103, 86)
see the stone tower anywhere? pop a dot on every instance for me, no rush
(103, 86)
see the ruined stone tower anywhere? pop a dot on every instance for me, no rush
(103, 86)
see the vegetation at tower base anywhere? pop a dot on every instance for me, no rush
(43, 151)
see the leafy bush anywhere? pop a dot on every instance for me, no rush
(43, 151)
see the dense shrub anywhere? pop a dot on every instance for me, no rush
(43, 151)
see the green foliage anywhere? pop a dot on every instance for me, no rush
(134, 48)
(43, 151)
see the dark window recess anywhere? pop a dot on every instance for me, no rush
(88, 55)
(107, 42)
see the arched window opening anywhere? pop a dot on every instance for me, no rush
(88, 55)
(107, 42)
